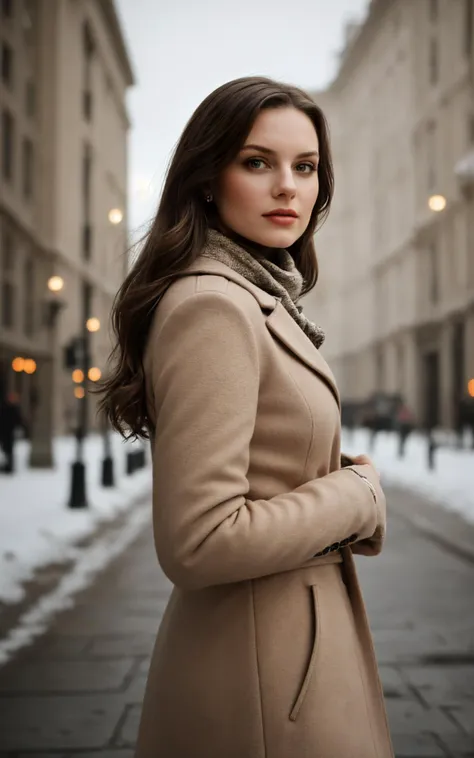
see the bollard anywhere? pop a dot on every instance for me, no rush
(431, 450)
(130, 463)
(108, 472)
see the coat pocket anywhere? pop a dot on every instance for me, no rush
(313, 655)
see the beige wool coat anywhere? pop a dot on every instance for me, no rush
(264, 650)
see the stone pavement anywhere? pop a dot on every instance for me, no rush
(77, 691)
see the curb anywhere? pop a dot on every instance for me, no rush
(22, 622)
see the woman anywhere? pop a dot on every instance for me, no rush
(264, 650)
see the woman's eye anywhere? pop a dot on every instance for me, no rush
(255, 163)
(306, 168)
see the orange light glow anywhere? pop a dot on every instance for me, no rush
(94, 374)
(18, 364)
(29, 366)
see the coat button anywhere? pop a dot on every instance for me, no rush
(353, 537)
(326, 550)
(334, 546)
(344, 542)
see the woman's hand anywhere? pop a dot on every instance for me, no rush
(364, 460)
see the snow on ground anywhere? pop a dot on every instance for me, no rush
(36, 526)
(450, 484)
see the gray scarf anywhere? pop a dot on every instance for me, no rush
(281, 279)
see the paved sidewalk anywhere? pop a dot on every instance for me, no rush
(77, 690)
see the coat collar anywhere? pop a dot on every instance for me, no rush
(278, 320)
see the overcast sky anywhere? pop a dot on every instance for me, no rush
(183, 49)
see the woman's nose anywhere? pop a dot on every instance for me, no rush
(285, 184)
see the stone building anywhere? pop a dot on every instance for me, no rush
(397, 252)
(65, 71)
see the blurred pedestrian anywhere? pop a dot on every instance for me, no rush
(11, 420)
(405, 422)
(264, 648)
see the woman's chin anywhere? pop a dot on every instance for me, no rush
(273, 237)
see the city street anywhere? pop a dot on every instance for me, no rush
(77, 690)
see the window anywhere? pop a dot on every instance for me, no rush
(29, 298)
(7, 65)
(8, 296)
(431, 155)
(30, 99)
(468, 27)
(28, 168)
(470, 129)
(86, 201)
(8, 272)
(7, 8)
(29, 22)
(86, 179)
(86, 301)
(8, 253)
(433, 278)
(433, 61)
(8, 145)
(87, 241)
(88, 50)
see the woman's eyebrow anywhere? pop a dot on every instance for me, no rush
(262, 149)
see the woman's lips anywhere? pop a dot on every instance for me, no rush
(281, 220)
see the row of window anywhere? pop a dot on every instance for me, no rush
(9, 288)
(9, 138)
(467, 41)
(7, 67)
(433, 150)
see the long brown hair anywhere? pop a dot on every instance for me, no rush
(210, 141)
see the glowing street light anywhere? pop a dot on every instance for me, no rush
(29, 366)
(470, 387)
(18, 364)
(437, 203)
(79, 392)
(115, 216)
(55, 283)
(94, 374)
(93, 324)
(77, 376)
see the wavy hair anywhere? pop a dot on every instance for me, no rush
(210, 141)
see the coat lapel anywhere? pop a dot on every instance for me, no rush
(279, 321)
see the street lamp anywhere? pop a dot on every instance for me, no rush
(93, 324)
(437, 203)
(55, 283)
(115, 216)
(80, 376)
(42, 427)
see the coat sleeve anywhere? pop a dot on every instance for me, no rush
(205, 385)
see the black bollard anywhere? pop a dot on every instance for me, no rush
(431, 451)
(78, 497)
(130, 463)
(108, 472)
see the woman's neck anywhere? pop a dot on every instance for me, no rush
(254, 248)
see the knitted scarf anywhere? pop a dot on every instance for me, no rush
(280, 279)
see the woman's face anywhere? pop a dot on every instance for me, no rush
(268, 192)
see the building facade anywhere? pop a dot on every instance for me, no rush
(63, 132)
(397, 252)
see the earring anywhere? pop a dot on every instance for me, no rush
(209, 198)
